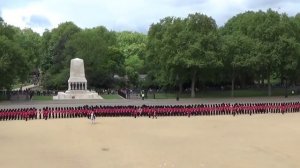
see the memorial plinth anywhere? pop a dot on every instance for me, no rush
(77, 84)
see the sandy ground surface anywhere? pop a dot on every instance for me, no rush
(260, 141)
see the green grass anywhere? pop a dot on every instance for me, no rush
(105, 96)
(2, 97)
(111, 96)
(42, 98)
(163, 96)
(222, 94)
(202, 94)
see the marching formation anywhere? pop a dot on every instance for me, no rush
(151, 111)
(18, 114)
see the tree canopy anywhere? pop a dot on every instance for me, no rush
(184, 47)
(191, 52)
(19, 51)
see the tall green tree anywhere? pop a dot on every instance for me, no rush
(265, 29)
(202, 46)
(187, 45)
(163, 45)
(31, 43)
(288, 49)
(13, 63)
(54, 62)
(237, 51)
(133, 46)
(97, 46)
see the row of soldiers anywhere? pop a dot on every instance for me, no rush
(18, 114)
(196, 110)
(148, 110)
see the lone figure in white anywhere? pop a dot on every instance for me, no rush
(93, 117)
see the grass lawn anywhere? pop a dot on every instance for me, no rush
(111, 96)
(201, 94)
(220, 94)
(105, 96)
(42, 98)
(2, 97)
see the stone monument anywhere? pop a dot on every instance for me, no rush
(77, 84)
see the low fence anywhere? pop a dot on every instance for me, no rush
(122, 93)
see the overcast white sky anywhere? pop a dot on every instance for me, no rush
(133, 15)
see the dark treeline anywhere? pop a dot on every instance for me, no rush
(251, 49)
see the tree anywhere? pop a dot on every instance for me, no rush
(238, 51)
(133, 65)
(296, 33)
(54, 61)
(187, 45)
(13, 63)
(133, 46)
(30, 42)
(102, 59)
(202, 46)
(288, 49)
(265, 29)
(162, 46)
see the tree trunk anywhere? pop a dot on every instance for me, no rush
(180, 87)
(269, 85)
(193, 84)
(262, 85)
(243, 82)
(232, 85)
(281, 81)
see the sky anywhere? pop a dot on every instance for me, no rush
(131, 15)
